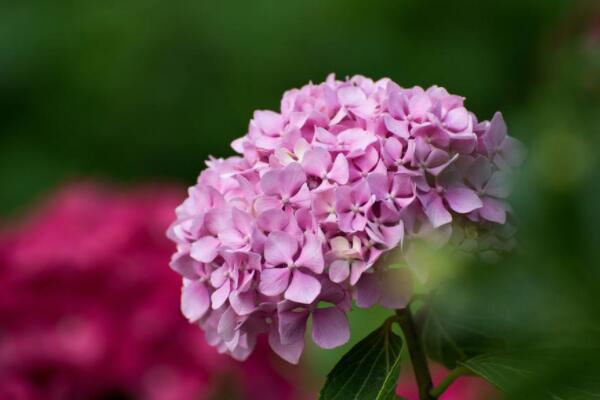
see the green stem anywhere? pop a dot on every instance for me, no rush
(449, 380)
(417, 355)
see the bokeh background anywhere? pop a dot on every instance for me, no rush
(137, 91)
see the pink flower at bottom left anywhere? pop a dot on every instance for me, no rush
(90, 310)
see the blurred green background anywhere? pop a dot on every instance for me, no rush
(145, 90)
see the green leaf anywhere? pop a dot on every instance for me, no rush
(536, 375)
(369, 370)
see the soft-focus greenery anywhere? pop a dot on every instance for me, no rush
(146, 90)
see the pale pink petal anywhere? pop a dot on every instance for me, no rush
(462, 200)
(194, 300)
(268, 121)
(303, 288)
(356, 270)
(379, 185)
(311, 256)
(220, 295)
(205, 249)
(272, 220)
(457, 119)
(243, 303)
(330, 327)
(339, 271)
(398, 128)
(436, 212)
(291, 178)
(302, 198)
(274, 281)
(185, 265)
(343, 199)
(339, 171)
(419, 104)
(280, 248)
(270, 182)
(351, 96)
(316, 162)
(265, 203)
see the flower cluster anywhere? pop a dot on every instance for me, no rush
(88, 310)
(293, 228)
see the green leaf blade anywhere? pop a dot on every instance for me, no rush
(369, 370)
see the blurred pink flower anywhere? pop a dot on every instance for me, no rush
(88, 309)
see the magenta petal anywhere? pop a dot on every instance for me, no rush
(289, 352)
(274, 281)
(462, 200)
(330, 327)
(303, 288)
(194, 300)
(205, 249)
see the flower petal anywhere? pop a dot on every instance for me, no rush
(290, 352)
(339, 271)
(311, 256)
(462, 200)
(280, 248)
(330, 327)
(205, 249)
(303, 288)
(292, 325)
(274, 281)
(194, 300)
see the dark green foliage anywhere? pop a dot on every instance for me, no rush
(369, 371)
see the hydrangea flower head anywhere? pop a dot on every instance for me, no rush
(295, 226)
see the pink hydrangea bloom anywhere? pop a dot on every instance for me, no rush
(294, 226)
(88, 310)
